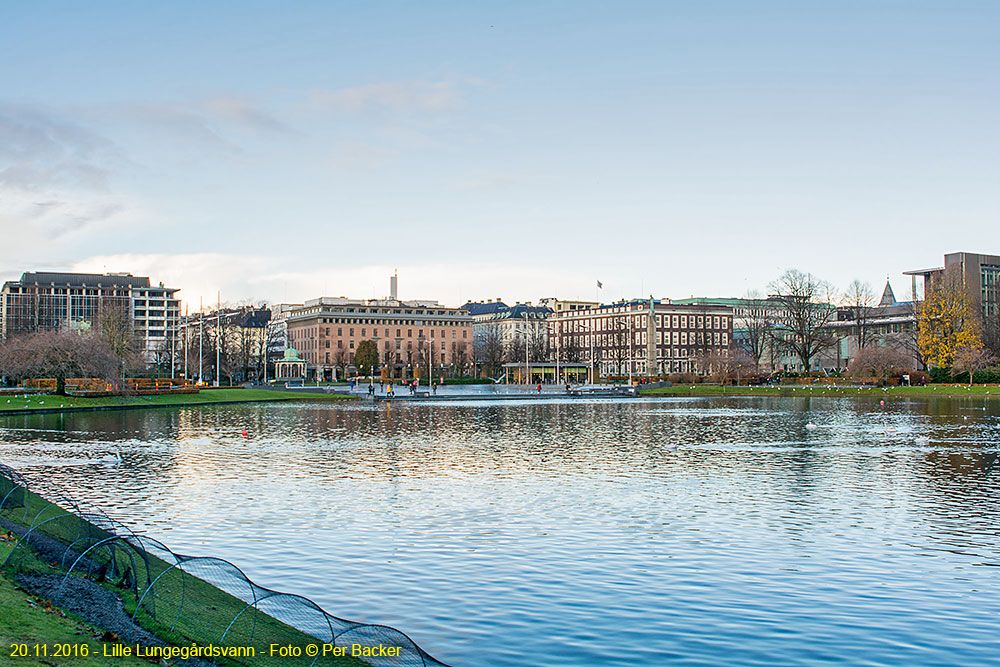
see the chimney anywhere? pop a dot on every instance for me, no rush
(392, 286)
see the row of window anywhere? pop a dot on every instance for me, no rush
(715, 338)
(639, 322)
(326, 331)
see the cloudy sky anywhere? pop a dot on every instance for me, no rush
(286, 150)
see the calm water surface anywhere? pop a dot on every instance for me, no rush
(741, 531)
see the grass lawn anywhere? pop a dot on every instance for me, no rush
(936, 390)
(27, 619)
(51, 401)
(181, 609)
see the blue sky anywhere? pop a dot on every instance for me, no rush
(521, 149)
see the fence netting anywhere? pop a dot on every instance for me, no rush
(73, 552)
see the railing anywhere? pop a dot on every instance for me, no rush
(64, 545)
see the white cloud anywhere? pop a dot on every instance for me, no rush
(240, 278)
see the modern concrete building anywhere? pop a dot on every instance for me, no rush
(409, 335)
(642, 337)
(980, 274)
(47, 301)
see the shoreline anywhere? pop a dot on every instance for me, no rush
(927, 391)
(108, 404)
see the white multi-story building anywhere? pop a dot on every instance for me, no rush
(48, 301)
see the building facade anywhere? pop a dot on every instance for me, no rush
(980, 275)
(559, 305)
(409, 335)
(521, 325)
(48, 301)
(643, 337)
(225, 344)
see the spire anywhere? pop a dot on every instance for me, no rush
(888, 298)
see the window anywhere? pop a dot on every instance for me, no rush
(351, 331)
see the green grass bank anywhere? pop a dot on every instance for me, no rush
(54, 403)
(929, 391)
(181, 608)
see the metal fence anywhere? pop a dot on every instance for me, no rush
(64, 546)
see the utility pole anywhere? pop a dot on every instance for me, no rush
(590, 335)
(558, 337)
(201, 337)
(187, 322)
(526, 367)
(631, 343)
(218, 337)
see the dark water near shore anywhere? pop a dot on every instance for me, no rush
(739, 531)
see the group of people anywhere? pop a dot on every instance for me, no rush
(386, 387)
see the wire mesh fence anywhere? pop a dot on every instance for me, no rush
(69, 550)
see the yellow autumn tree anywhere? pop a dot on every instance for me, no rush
(947, 321)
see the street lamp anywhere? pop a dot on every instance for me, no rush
(527, 370)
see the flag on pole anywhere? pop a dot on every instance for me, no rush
(600, 285)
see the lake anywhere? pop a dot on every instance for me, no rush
(682, 531)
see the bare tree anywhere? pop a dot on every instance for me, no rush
(972, 358)
(538, 344)
(459, 356)
(756, 326)
(860, 299)
(342, 360)
(115, 326)
(880, 362)
(619, 344)
(489, 348)
(723, 365)
(804, 313)
(59, 355)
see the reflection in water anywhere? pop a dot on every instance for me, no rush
(695, 531)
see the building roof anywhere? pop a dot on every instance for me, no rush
(489, 308)
(888, 298)
(89, 279)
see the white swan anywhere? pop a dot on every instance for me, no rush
(811, 426)
(113, 459)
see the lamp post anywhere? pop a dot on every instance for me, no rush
(201, 338)
(527, 369)
(590, 335)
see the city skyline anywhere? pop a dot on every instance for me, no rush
(515, 153)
